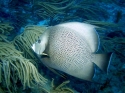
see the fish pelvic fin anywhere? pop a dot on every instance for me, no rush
(103, 61)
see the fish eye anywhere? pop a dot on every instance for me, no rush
(39, 41)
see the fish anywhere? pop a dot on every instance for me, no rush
(72, 48)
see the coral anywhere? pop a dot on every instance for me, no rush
(14, 67)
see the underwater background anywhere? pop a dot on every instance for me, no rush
(23, 21)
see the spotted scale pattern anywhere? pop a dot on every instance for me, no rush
(68, 51)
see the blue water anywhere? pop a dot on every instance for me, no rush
(20, 13)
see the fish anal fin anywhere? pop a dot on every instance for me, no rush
(56, 72)
(103, 61)
(85, 73)
(89, 72)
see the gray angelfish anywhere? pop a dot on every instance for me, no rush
(72, 48)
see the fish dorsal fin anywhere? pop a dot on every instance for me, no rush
(87, 31)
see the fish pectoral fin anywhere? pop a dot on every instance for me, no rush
(44, 55)
(103, 60)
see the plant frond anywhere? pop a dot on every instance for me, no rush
(5, 28)
(17, 68)
(25, 41)
(102, 24)
(60, 88)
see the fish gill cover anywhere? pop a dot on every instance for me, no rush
(20, 27)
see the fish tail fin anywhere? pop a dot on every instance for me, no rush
(103, 61)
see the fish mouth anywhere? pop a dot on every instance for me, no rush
(33, 47)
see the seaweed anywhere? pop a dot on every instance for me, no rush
(60, 88)
(103, 1)
(24, 41)
(51, 9)
(102, 24)
(5, 30)
(14, 67)
(68, 10)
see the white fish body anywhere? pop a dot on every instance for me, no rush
(71, 47)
